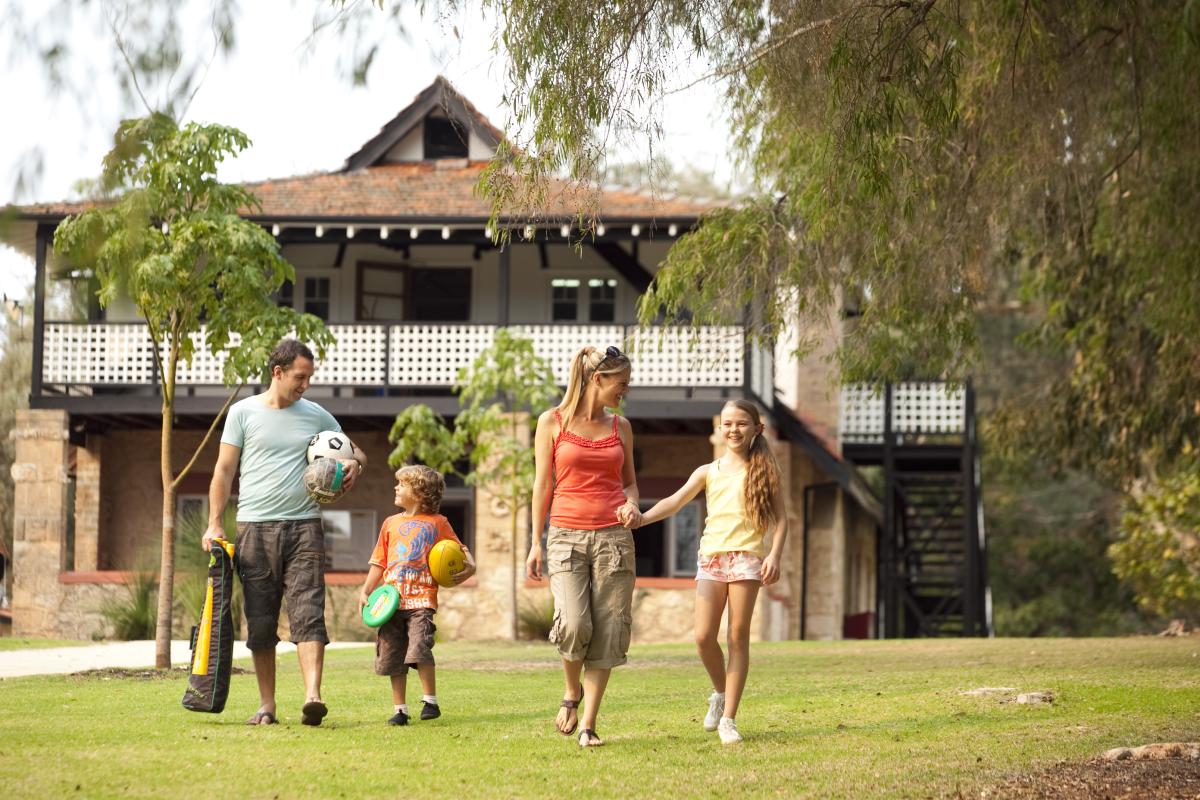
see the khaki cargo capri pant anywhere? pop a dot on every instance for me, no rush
(591, 578)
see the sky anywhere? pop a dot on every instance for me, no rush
(292, 98)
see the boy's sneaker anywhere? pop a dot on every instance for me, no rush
(716, 707)
(430, 711)
(727, 730)
(400, 718)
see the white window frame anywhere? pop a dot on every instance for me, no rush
(583, 302)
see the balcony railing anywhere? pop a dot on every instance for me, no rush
(924, 408)
(409, 355)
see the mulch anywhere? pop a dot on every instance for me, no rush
(1166, 779)
(109, 673)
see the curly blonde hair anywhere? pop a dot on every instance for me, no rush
(426, 483)
(762, 473)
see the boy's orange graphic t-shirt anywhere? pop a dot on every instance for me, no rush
(403, 553)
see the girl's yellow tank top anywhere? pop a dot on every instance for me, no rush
(727, 528)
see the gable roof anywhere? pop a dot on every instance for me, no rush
(439, 94)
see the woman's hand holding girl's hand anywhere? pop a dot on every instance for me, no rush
(770, 569)
(629, 514)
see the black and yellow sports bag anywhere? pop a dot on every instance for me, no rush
(212, 638)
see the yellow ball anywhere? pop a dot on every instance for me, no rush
(446, 559)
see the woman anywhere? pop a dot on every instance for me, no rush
(592, 500)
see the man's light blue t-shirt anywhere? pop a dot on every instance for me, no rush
(274, 443)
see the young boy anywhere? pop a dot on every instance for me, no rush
(401, 558)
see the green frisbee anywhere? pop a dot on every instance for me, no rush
(380, 606)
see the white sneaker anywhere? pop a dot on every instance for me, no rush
(716, 707)
(727, 730)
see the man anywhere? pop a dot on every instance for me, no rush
(280, 539)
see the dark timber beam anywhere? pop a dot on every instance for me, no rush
(626, 265)
(43, 236)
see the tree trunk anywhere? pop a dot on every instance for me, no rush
(166, 573)
(512, 528)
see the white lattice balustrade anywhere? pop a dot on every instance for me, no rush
(679, 356)
(97, 354)
(405, 354)
(916, 408)
(431, 355)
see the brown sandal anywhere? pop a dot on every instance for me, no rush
(572, 705)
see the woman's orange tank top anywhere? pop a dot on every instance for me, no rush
(587, 479)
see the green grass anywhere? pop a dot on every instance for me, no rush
(11, 643)
(848, 719)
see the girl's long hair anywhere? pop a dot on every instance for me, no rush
(762, 474)
(588, 362)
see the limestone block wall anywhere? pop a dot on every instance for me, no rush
(860, 563)
(87, 504)
(39, 473)
(826, 602)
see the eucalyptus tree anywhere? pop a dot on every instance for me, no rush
(928, 159)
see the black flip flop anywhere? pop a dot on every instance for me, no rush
(262, 718)
(574, 705)
(313, 712)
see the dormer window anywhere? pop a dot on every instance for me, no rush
(444, 138)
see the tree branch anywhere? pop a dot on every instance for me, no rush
(771, 47)
(112, 26)
(208, 435)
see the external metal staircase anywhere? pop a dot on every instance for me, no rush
(932, 553)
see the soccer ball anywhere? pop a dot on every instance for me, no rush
(330, 444)
(324, 480)
(446, 559)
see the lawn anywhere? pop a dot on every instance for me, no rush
(846, 719)
(17, 643)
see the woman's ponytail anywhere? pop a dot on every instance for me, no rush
(575, 381)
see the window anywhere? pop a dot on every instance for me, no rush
(458, 506)
(445, 138)
(350, 536)
(564, 299)
(316, 297)
(382, 292)
(602, 299)
(191, 505)
(286, 296)
(668, 549)
(441, 295)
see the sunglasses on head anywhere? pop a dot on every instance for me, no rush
(612, 352)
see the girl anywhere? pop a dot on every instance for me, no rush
(584, 475)
(744, 503)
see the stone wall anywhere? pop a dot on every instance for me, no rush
(40, 482)
(825, 604)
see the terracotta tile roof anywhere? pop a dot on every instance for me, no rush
(438, 189)
(419, 189)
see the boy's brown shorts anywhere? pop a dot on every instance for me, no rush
(404, 641)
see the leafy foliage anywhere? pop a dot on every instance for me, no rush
(1158, 552)
(930, 158)
(133, 616)
(174, 243)
(505, 382)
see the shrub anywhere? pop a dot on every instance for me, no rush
(535, 618)
(134, 616)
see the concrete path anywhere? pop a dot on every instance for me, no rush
(132, 655)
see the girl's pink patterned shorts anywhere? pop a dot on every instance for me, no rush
(729, 567)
